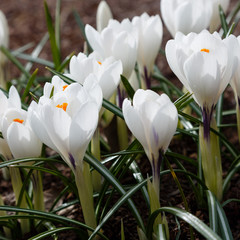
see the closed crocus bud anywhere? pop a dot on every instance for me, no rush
(111, 43)
(152, 119)
(215, 19)
(149, 33)
(186, 15)
(104, 14)
(235, 84)
(4, 34)
(4, 39)
(106, 71)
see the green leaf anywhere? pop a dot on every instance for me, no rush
(130, 91)
(14, 60)
(112, 108)
(223, 21)
(52, 37)
(29, 84)
(113, 181)
(212, 209)
(196, 223)
(223, 223)
(62, 76)
(51, 232)
(34, 214)
(125, 197)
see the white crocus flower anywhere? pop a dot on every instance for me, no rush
(149, 34)
(235, 84)
(204, 63)
(104, 14)
(215, 19)
(66, 121)
(111, 43)
(20, 138)
(186, 15)
(12, 102)
(106, 71)
(152, 119)
(4, 35)
(4, 41)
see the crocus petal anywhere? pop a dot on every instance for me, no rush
(134, 122)
(14, 100)
(22, 141)
(81, 130)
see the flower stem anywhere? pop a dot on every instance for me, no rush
(38, 191)
(122, 133)
(85, 190)
(95, 146)
(17, 186)
(238, 117)
(211, 158)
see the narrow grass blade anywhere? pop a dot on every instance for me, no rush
(130, 91)
(54, 47)
(113, 181)
(34, 214)
(196, 223)
(14, 60)
(51, 232)
(223, 223)
(126, 197)
(29, 84)
(212, 209)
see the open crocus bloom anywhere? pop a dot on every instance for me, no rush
(204, 63)
(152, 119)
(66, 121)
(19, 135)
(106, 71)
(149, 38)
(12, 102)
(186, 15)
(111, 43)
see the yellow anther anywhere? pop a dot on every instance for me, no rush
(205, 50)
(18, 120)
(99, 63)
(64, 87)
(63, 106)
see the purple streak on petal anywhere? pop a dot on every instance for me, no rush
(72, 160)
(156, 164)
(238, 102)
(147, 78)
(207, 116)
(120, 97)
(155, 135)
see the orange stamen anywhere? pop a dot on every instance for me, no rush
(99, 63)
(205, 50)
(63, 106)
(18, 120)
(64, 87)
